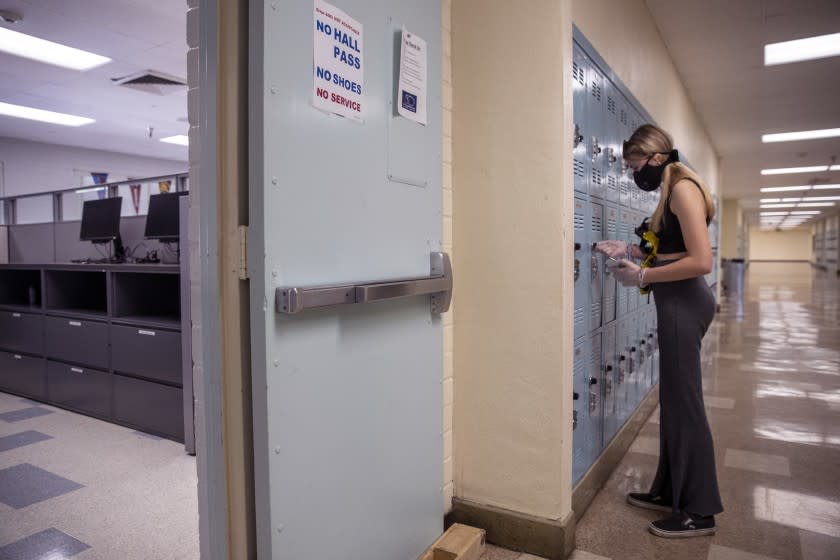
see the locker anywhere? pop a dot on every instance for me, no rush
(623, 370)
(596, 114)
(581, 264)
(625, 179)
(580, 65)
(580, 425)
(611, 219)
(595, 411)
(623, 294)
(613, 137)
(610, 383)
(596, 265)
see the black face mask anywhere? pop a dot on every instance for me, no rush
(649, 177)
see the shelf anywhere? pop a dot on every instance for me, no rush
(78, 314)
(22, 308)
(21, 287)
(76, 291)
(171, 323)
(149, 296)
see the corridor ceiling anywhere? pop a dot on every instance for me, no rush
(137, 36)
(718, 48)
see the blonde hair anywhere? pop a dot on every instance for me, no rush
(649, 140)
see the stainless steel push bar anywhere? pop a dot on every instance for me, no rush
(438, 284)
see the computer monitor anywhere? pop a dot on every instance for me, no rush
(101, 220)
(163, 220)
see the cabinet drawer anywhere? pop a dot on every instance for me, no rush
(149, 406)
(88, 390)
(77, 341)
(24, 375)
(151, 353)
(22, 332)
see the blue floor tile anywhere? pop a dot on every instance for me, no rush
(51, 544)
(25, 484)
(20, 439)
(25, 414)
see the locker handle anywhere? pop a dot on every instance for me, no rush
(609, 368)
(575, 396)
(77, 370)
(621, 358)
(577, 246)
(16, 315)
(632, 348)
(74, 323)
(291, 300)
(593, 380)
(145, 332)
(18, 357)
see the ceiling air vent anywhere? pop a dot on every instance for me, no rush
(151, 81)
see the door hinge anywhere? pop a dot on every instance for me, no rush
(243, 252)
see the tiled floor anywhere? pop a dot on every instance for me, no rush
(76, 487)
(772, 380)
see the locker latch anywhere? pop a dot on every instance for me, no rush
(575, 396)
(593, 395)
(621, 369)
(608, 379)
(578, 136)
(577, 262)
(611, 158)
(596, 149)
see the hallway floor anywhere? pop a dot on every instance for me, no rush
(772, 389)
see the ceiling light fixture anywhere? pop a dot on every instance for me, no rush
(27, 46)
(30, 113)
(180, 139)
(802, 135)
(806, 169)
(805, 212)
(824, 187)
(782, 189)
(821, 46)
(774, 213)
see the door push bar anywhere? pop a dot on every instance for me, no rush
(438, 284)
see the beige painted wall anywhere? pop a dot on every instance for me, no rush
(731, 217)
(648, 71)
(448, 318)
(791, 245)
(512, 199)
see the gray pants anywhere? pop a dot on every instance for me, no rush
(686, 474)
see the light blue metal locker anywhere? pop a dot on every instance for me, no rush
(623, 293)
(595, 409)
(625, 177)
(581, 267)
(598, 143)
(613, 136)
(580, 422)
(624, 370)
(582, 124)
(596, 265)
(610, 382)
(611, 219)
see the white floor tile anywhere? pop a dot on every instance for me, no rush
(818, 547)
(645, 444)
(728, 356)
(719, 402)
(718, 552)
(757, 462)
(583, 555)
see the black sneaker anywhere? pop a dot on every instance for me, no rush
(683, 526)
(648, 502)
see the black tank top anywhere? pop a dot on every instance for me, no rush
(670, 233)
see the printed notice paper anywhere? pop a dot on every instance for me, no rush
(338, 62)
(411, 103)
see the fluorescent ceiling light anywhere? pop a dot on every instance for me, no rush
(180, 139)
(22, 112)
(823, 187)
(90, 190)
(774, 213)
(767, 200)
(786, 170)
(797, 205)
(781, 189)
(819, 198)
(803, 212)
(802, 135)
(822, 46)
(27, 46)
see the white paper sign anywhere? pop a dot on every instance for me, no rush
(413, 85)
(338, 62)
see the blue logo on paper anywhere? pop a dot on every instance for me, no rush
(409, 101)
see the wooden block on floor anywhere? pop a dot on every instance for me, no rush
(459, 542)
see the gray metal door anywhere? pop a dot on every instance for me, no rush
(348, 411)
(597, 138)
(596, 265)
(582, 123)
(582, 262)
(581, 426)
(610, 283)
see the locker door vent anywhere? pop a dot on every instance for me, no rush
(596, 90)
(611, 105)
(579, 221)
(579, 168)
(623, 117)
(596, 176)
(577, 74)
